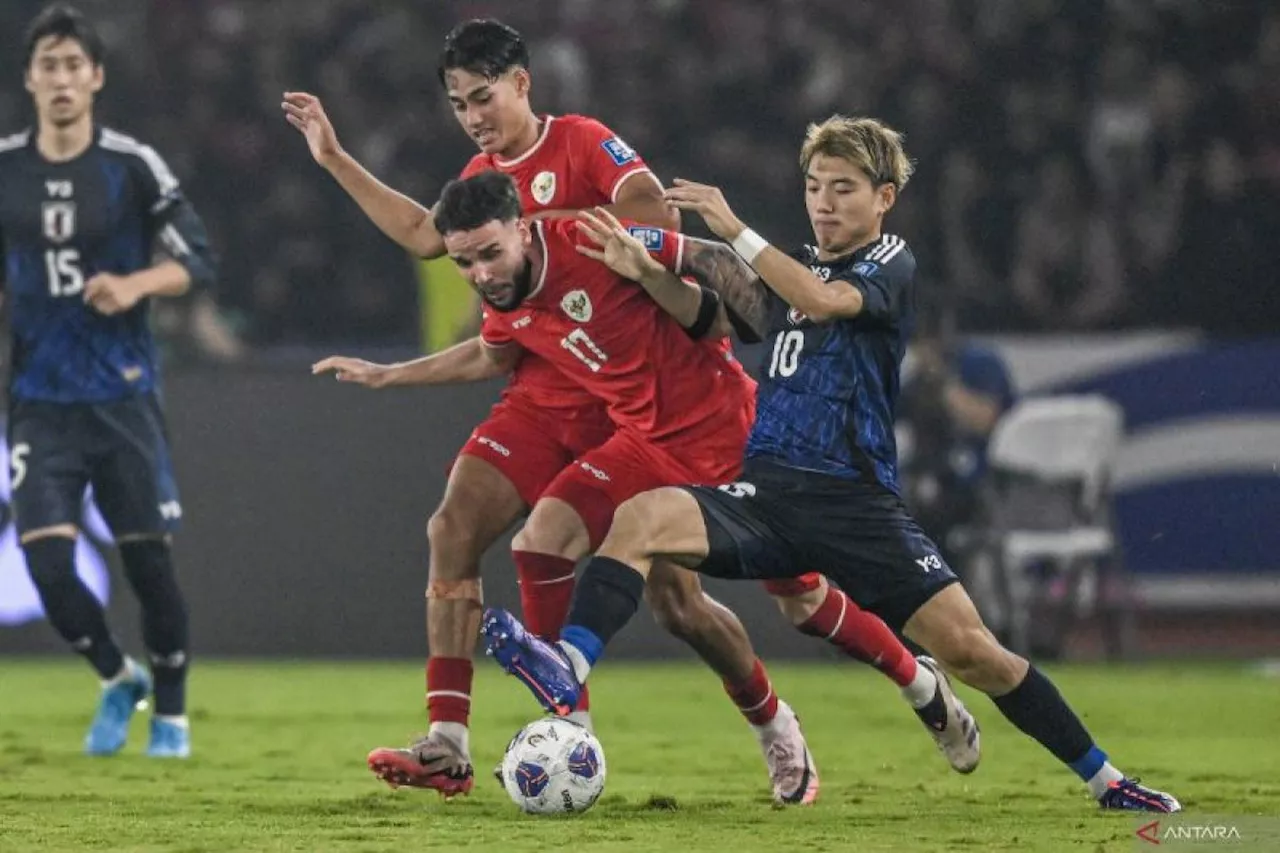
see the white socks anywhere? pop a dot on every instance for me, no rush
(582, 718)
(581, 666)
(1103, 778)
(128, 672)
(921, 690)
(456, 732)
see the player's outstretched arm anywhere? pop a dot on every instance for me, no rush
(468, 361)
(700, 312)
(399, 217)
(790, 279)
(718, 267)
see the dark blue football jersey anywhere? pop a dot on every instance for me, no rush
(106, 211)
(828, 391)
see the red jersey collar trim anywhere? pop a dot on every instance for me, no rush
(542, 137)
(546, 259)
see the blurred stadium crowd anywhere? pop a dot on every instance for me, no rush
(1092, 164)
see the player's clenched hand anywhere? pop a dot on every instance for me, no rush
(306, 113)
(708, 202)
(356, 370)
(111, 294)
(616, 248)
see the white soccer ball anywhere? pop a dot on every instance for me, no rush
(553, 766)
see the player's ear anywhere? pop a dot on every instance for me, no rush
(522, 81)
(99, 78)
(526, 233)
(886, 196)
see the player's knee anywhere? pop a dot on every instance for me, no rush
(50, 561)
(976, 657)
(453, 530)
(554, 527)
(799, 609)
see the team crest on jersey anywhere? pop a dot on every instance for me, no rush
(620, 152)
(543, 187)
(577, 305)
(651, 237)
(59, 221)
(795, 316)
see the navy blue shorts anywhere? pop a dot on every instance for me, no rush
(121, 448)
(779, 522)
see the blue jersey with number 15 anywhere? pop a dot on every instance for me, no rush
(61, 223)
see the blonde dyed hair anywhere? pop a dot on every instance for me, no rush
(867, 143)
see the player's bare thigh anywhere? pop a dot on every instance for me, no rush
(663, 524)
(554, 527)
(479, 504)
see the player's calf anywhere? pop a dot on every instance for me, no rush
(69, 605)
(148, 566)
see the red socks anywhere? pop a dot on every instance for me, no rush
(861, 635)
(449, 690)
(546, 592)
(755, 697)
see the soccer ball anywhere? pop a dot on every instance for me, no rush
(553, 766)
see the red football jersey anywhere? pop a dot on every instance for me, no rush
(576, 163)
(613, 340)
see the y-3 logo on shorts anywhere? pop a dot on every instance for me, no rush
(930, 562)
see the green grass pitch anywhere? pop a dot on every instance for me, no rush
(279, 764)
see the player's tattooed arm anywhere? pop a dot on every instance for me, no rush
(717, 266)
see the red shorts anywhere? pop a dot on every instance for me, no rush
(626, 465)
(530, 447)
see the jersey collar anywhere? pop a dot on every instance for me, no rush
(542, 137)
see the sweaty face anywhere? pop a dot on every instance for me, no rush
(845, 209)
(493, 260)
(62, 80)
(492, 112)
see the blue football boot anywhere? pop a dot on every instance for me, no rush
(1128, 795)
(540, 665)
(110, 727)
(169, 740)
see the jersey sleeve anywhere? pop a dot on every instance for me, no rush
(604, 159)
(175, 226)
(885, 278)
(492, 333)
(666, 246)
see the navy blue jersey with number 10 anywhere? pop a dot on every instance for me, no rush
(109, 210)
(828, 391)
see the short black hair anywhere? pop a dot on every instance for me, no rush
(483, 46)
(469, 203)
(64, 22)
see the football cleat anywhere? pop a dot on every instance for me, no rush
(539, 665)
(435, 762)
(792, 773)
(169, 740)
(1128, 795)
(110, 727)
(953, 728)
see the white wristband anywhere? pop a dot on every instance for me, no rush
(749, 245)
